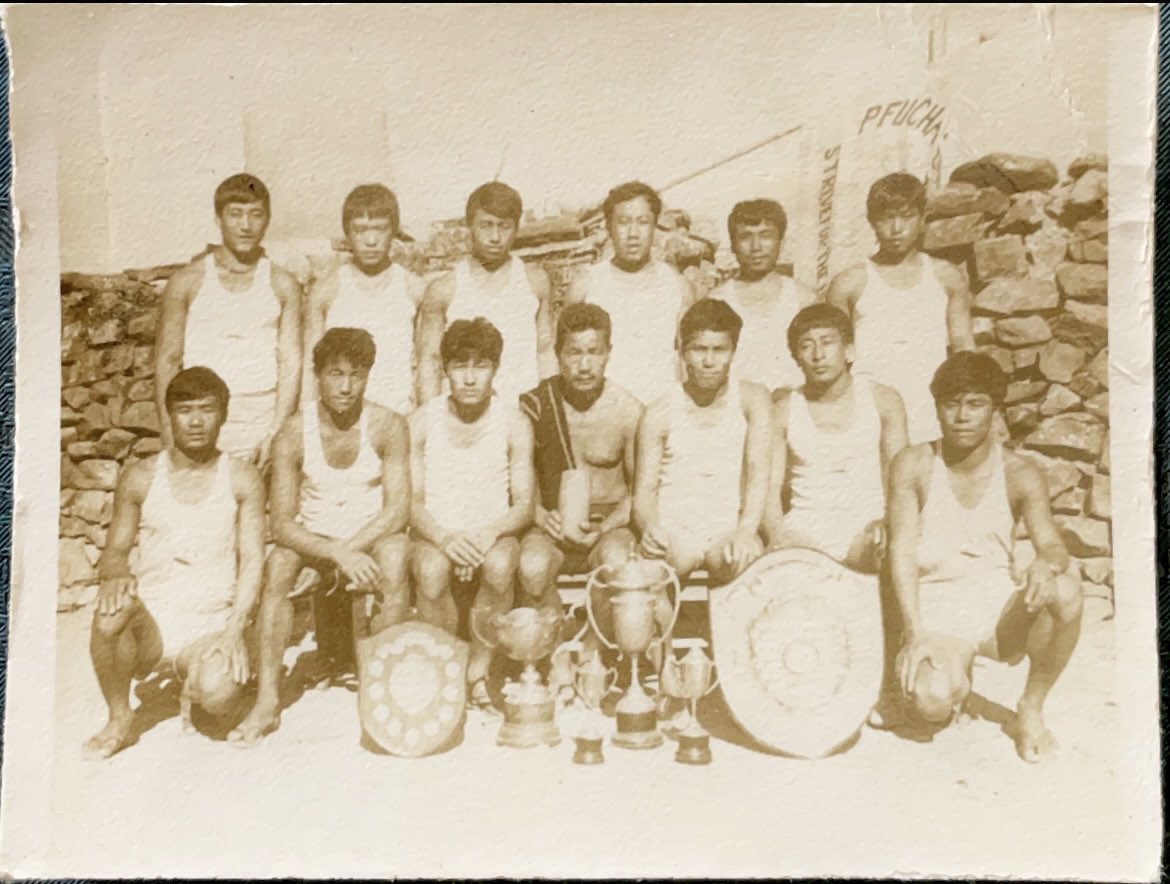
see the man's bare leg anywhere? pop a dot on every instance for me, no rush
(432, 580)
(122, 646)
(540, 563)
(275, 629)
(722, 571)
(208, 683)
(497, 576)
(393, 557)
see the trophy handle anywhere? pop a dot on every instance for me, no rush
(677, 605)
(612, 678)
(590, 582)
(565, 646)
(472, 617)
(714, 684)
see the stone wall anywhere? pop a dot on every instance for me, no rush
(1034, 247)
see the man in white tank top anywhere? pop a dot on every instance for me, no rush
(371, 292)
(908, 309)
(237, 313)
(832, 442)
(644, 297)
(340, 504)
(197, 518)
(491, 282)
(953, 506)
(473, 489)
(765, 298)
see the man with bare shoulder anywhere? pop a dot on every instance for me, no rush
(371, 292)
(471, 471)
(197, 517)
(953, 505)
(237, 313)
(765, 298)
(832, 442)
(583, 422)
(340, 504)
(644, 297)
(494, 284)
(908, 309)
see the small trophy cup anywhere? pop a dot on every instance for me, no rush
(592, 681)
(690, 680)
(631, 586)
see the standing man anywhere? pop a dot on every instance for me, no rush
(765, 298)
(833, 439)
(514, 297)
(197, 517)
(473, 496)
(237, 313)
(643, 297)
(581, 421)
(908, 309)
(371, 292)
(953, 505)
(340, 502)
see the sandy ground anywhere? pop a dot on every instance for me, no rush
(310, 801)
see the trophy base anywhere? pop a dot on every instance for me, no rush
(693, 749)
(528, 735)
(637, 731)
(588, 751)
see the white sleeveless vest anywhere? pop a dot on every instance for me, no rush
(762, 354)
(466, 488)
(338, 503)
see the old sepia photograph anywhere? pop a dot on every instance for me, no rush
(583, 442)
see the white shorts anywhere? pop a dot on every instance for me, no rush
(968, 608)
(830, 533)
(183, 617)
(250, 420)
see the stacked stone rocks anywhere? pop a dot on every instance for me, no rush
(1035, 248)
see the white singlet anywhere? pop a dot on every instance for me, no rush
(762, 354)
(900, 339)
(513, 311)
(702, 468)
(235, 335)
(644, 309)
(965, 556)
(466, 488)
(187, 556)
(835, 477)
(337, 503)
(384, 307)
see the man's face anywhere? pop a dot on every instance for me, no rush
(369, 240)
(756, 247)
(242, 226)
(707, 357)
(966, 419)
(632, 229)
(195, 423)
(823, 355)
(471, 379)
(898, 230)
(491, 237)
(582, 360)
(341, 384)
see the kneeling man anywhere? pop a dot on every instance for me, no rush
(197, 516)
(340, 503)
(953, 504)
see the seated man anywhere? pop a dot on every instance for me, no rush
(953, 505)
(340, 503)
(472, 481)
(832, 442)
(198, 518)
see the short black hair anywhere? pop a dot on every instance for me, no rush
(197, 382)
(894, 192)
(241, 188)
(581, 317)
(752, 212)
(370, 201)
(470, 338)
(631, 190)
(495, 198)
(710, 314)
(354, 344)
(969, 372)
(818, 316)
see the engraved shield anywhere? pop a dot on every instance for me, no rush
(412, 688)
(798, 642)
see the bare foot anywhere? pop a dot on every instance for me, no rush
(109, 740)
(259, 723)
(1034, 742)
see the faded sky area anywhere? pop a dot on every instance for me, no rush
(153, 105)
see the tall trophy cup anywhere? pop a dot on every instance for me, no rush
(690, 679)
(631, 589)
(592, 682)
(526, 635)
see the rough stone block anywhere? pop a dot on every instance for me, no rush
(1098, 405)
(69, 417)
(147, 445)
(1091, 190)
(1100, 502)
(1097, 570)
(1085, 538)
(118, 359)
(1098, 368)
(1068, 327)
(115, 443)
(1059, 475)
(94, 506)
(1004, 297)
(984, 330)
(73, 563)
(143, 364)
(1058, 399)
(1084, 386)
(111, 331)
(1081, 165)
(76, 398)
(1075, 436)
(1020, 391)
(1047, 247)
(1103, 457)
(82, 450)
(1022, 331)
(71, 526)
(141, 391)
(1010, 173)
(1083, 282)
(95, 420)
(86, 370)
(141, 416)
(101, 474)
(142, 327)
(1025, 214)
(1025, 357)
(1000, 355)
(951, 233)
(1091, 251)
(1023, 418)
(1059, 361)
(1070, 502)
(965, 199)
(1000, 256)
(106, 389)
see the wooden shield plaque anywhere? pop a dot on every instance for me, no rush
(412, 688)
(797, 639)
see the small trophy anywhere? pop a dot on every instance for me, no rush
(592, 681)
(690, 679)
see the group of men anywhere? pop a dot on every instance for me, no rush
(408, 438)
